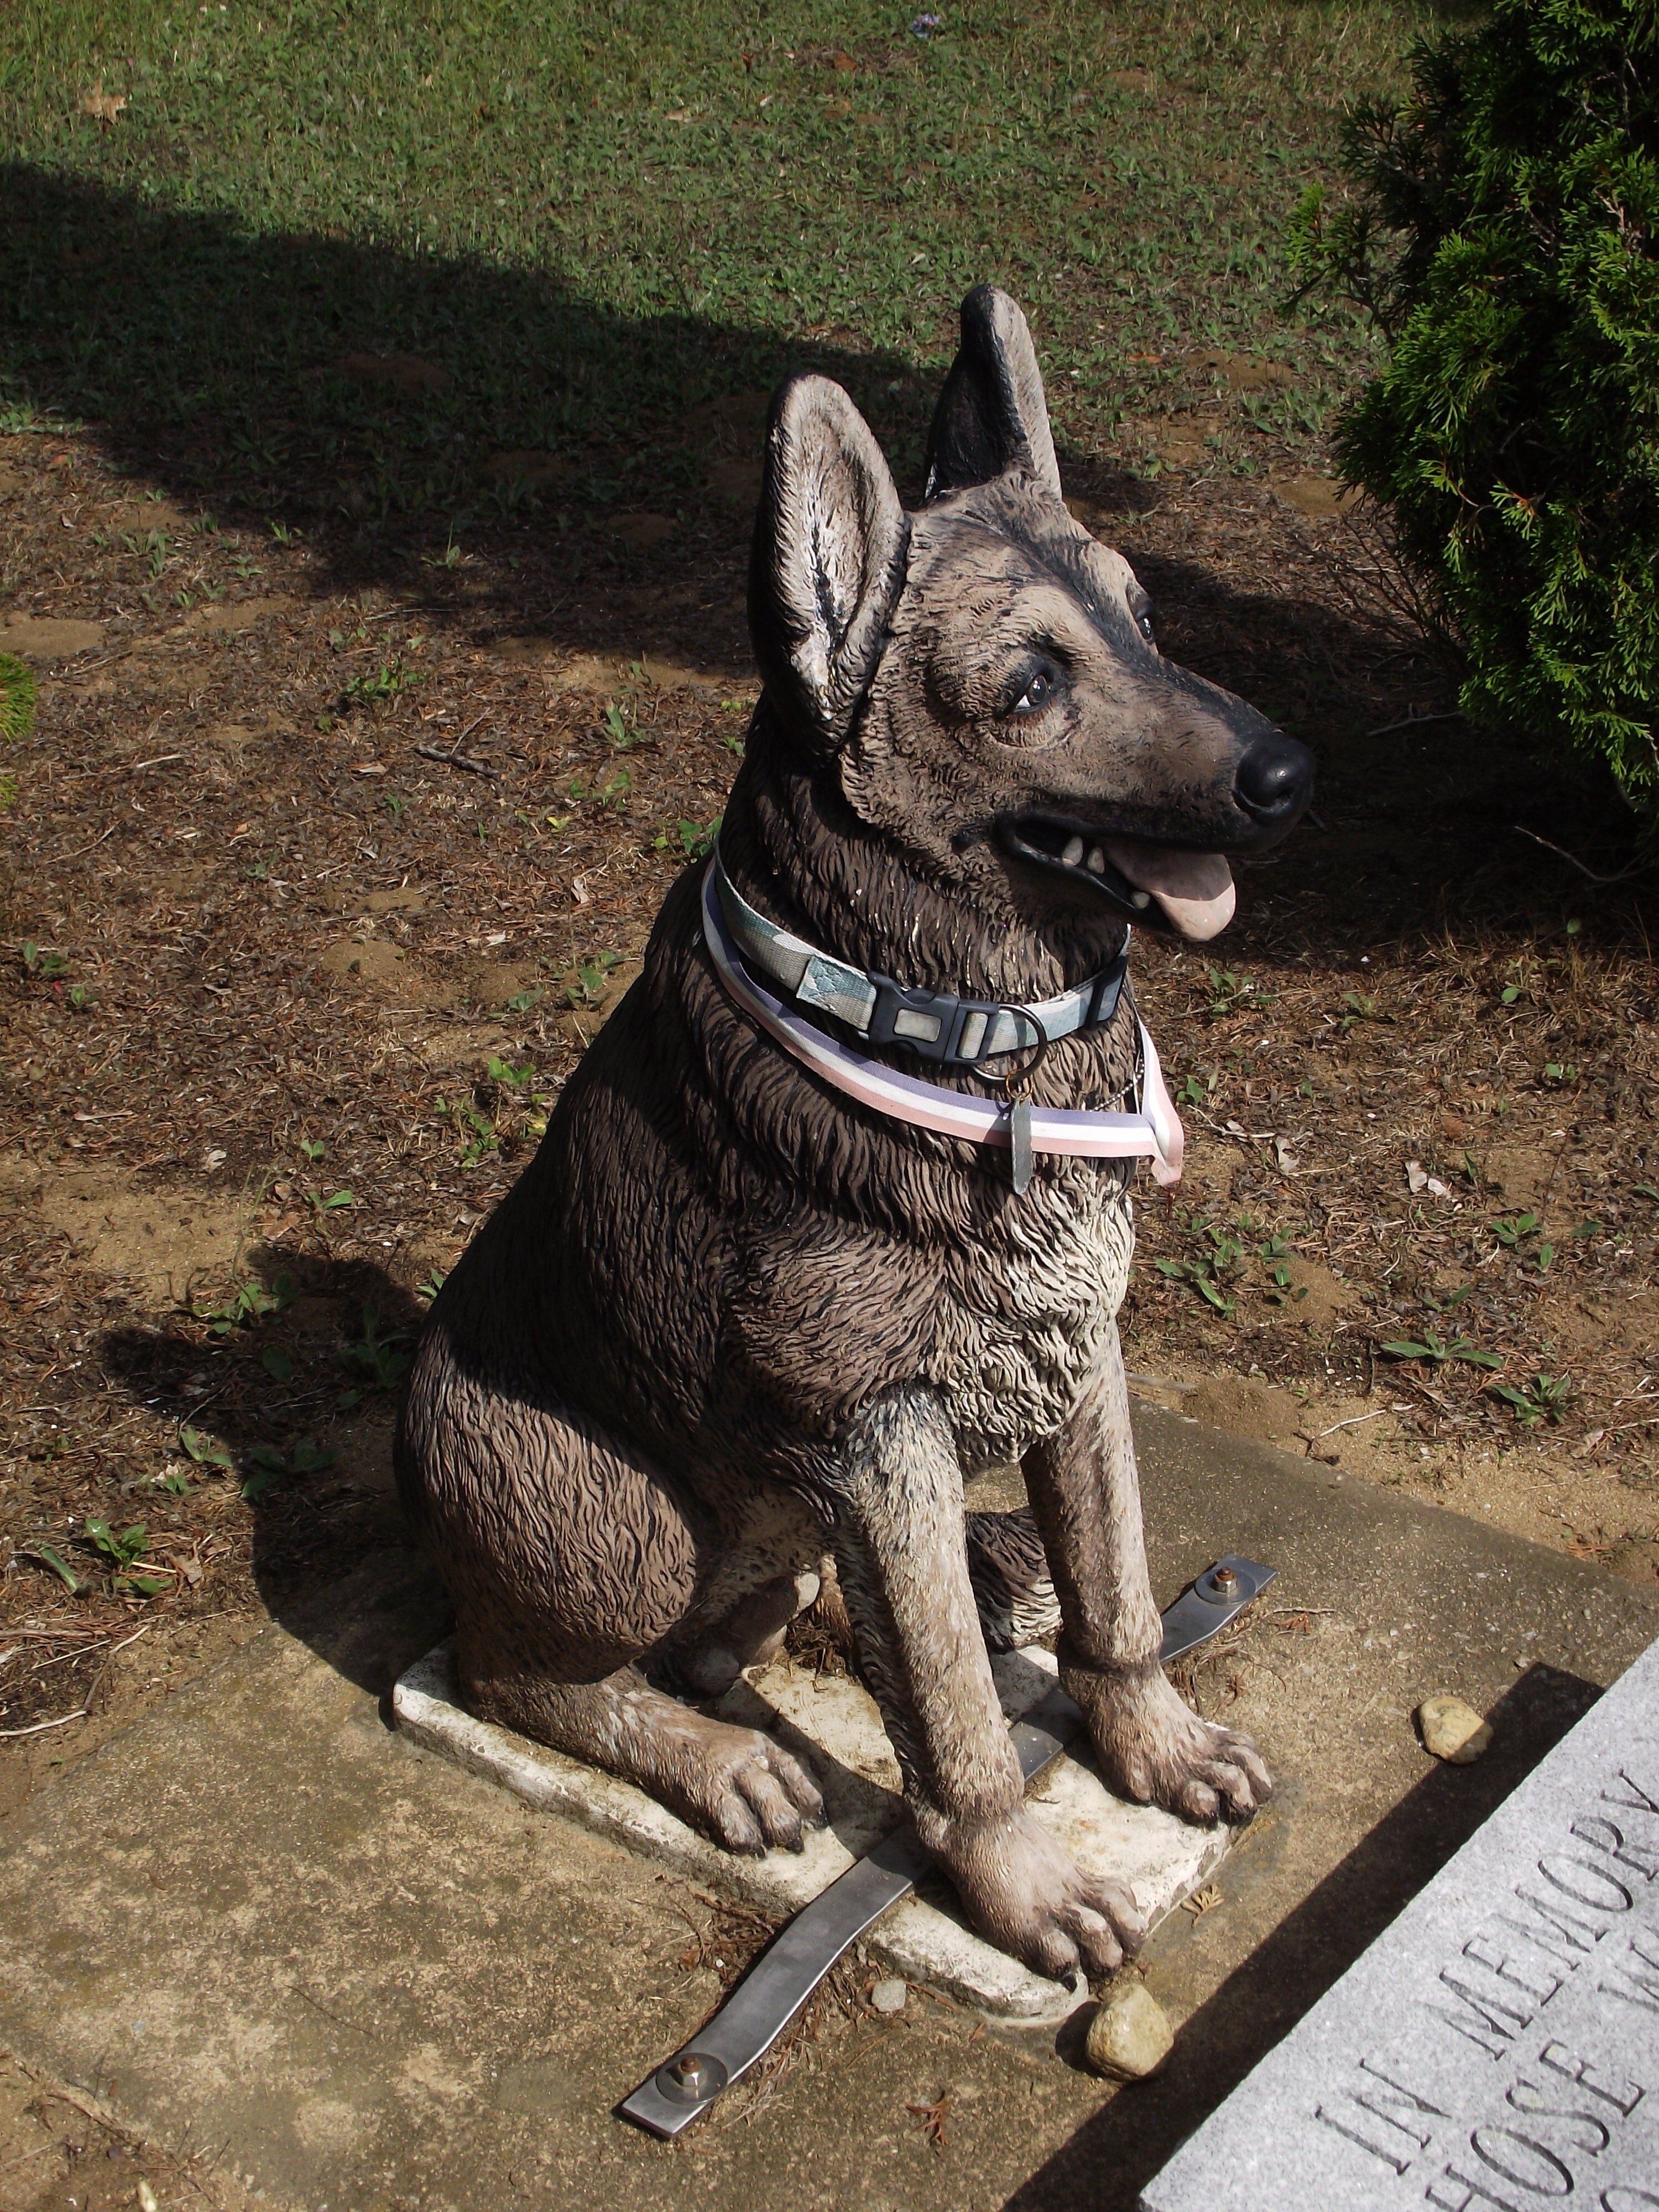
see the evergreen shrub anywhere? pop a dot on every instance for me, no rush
(1501, 229)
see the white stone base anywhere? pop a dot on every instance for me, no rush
(831, 1722)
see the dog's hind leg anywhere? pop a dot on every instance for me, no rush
(1085, 1493)
(734, 1783)
(768, 1574)
(569, 1558)
(1012, 1587)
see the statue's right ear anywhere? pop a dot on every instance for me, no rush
(992, 415)
(828, 561)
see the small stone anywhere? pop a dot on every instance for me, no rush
(1130, 2036)
(1453, 1730)
(889, 1996)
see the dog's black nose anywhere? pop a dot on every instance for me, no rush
(1276, 781)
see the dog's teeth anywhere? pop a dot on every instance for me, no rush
(1097, 861)
(1073, 852)
(1140, 898)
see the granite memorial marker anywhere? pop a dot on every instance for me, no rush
(1497, 2048)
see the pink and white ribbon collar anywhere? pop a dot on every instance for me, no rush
(1153, 1134)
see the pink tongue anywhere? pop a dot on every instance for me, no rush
(1195, 889)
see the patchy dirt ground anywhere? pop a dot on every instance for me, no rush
(329, 857)
(63, 2149)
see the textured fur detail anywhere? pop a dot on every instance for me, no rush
(828, 554)
(1012, 1587)
(728, 1325)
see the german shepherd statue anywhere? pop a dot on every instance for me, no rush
(760, 1303)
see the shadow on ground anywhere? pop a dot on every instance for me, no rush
(334, 1560)
(316, 380)
(382, 402)
(1110, 2159)
(601, 474)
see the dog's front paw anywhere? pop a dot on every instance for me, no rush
(1155, 1749)
(740, 1788)
(1023, 1892)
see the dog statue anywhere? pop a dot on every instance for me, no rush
(835, 1210)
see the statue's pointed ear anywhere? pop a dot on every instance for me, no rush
(827, 562)
(992, 415)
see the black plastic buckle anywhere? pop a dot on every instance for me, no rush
(931, 1023)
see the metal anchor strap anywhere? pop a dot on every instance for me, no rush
(764, 2002)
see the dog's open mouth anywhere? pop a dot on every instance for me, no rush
(1166, 885)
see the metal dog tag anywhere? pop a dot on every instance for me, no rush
(764, 2002)
(1019, 1141)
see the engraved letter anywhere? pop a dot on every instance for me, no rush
(1483, 2009)
(1615, 1847)
(1386, 2157)
(1501, 1967)
(1640, 1802)
(1402, 2097)
(1644, 1974)
(1614, 1897)
(1526, 2097)
(1560, 2060)
(1575, 1934)
(1383, 2106)
(1548, 2176)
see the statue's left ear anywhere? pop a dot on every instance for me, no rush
(992, 415)
(828, 561)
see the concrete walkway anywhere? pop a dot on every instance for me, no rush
(261, 1920)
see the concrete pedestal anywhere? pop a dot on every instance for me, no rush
(830, 1722)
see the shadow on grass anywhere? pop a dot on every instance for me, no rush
(1110, 2159)
(383, 403)
(319, 381)
(380, 401)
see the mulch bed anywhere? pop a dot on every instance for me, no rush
(325, 863)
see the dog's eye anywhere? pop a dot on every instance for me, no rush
(1148, 628)
(1040, 686)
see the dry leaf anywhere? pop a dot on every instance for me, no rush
(579, 890)
(105, 106)
(1417, 1176)
(932, 2118)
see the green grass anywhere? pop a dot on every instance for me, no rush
(593, 216)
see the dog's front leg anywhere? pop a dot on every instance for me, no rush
(902, 1556)
(1086, 1495)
